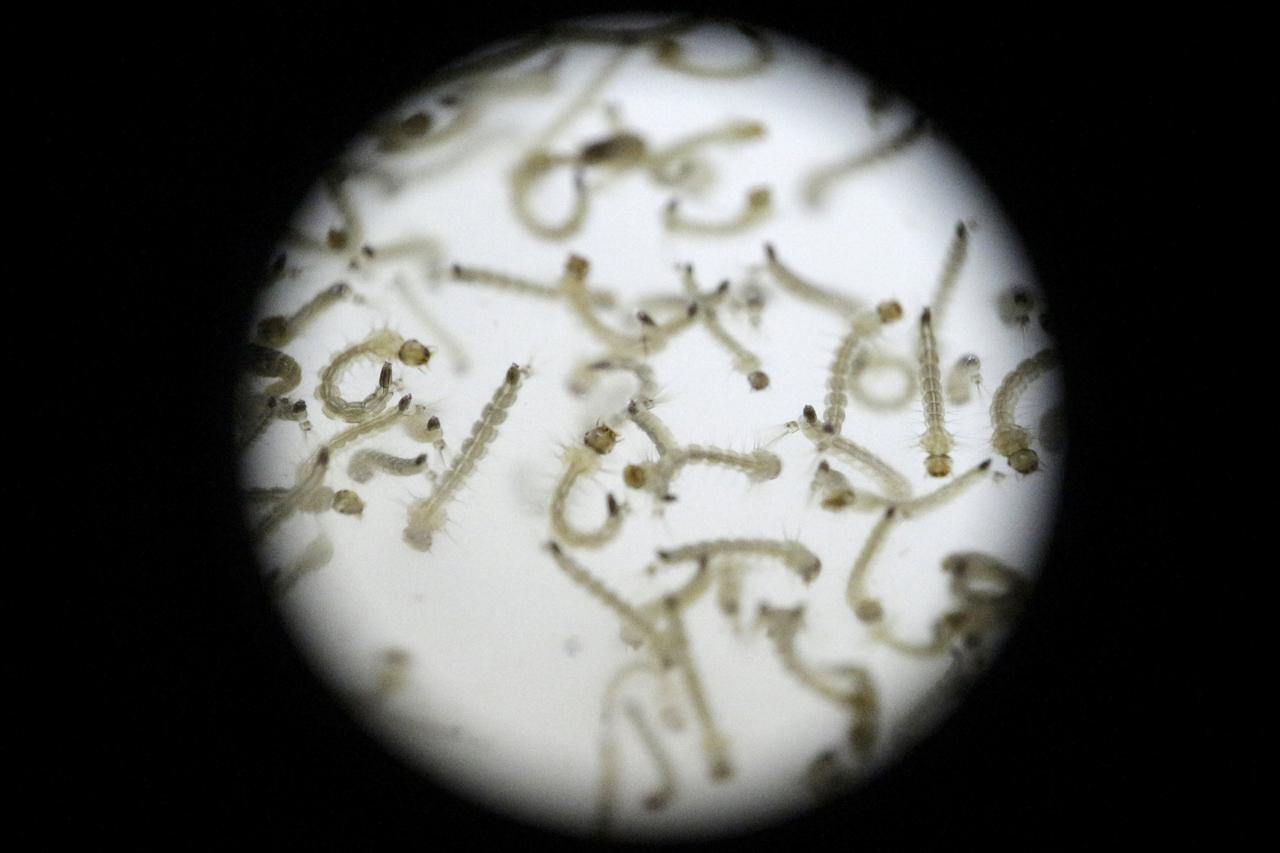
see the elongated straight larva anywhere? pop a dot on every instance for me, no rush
(937, 442)
(1010, 440)
(715, 746)
(630, 616)
(365, 463)
(791, 554)
(756, 209)
(951, 267)
(277, 331)
(429, 515)
(523, 286)
(744, 360)
(820, 180)
(675, 164)
(863, 325)
(795, 285)
(894, 484)
(1053, 429)
(317, 554)
(964, 376)
(583, 462)
(310, 478)
(271, 363)
(671, 54)
(867, 360)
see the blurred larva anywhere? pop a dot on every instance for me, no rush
(671, 53)
(790, 553)
(820, 180)
(1010, 440)
(1053, 429)
(317, 554)
(365, 463)
(755, 209)
(272, 364)
(951, 267)
(895, 485)
(311, 477)
(795, 285)
(744, 361)
(676, 165)
(715, 746)
(276, 331)
(630, 616)
(1015, 305)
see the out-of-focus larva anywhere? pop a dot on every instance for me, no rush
(856, 694)
(429, 515)
(729, 575)
(755, 210)
(715, 746)
(523, 286)
(452, 347)
(260, 411)
(864, 607)
(1015, 306)
(951, 267)
(630, 616)
(272, 364)
(1010, 440)
(584, 462)
(609, 765)
(574, 286)
(666, 789)
(348, 502)
(825, 777)
(531, 171)
(671, 54)
(895, 486)
(317, 554)
(345, 241)
(863, 325)
(991, 596)
(676, 164)
(276, 331)
(820, 180)
(791, 554)
(422, 427)
(310, 478)
(392, 673)
(867, 360)
(365, 463)
(833, 487)
(964, 376)
(1053, 429)
(937, 442)
(744, 360)
(831, 300)
(653, 427)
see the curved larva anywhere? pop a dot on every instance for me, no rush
(715, 746)
(316, 555)
(937, 442)
(428, 515)
(1014, 306)
(838, 494)
(423, 427)
(365, 463)
(382, 345)
(820, 180)
(964, 376)
(759, 466)
(310, 478)
(744, 360)
(272, 364)
(574, 286)
(863, 325)
(674, 165)
(1010, 440)
(582, 462)
(646, 381)
(812, 293)
(957, 251)
(630, 616)
(859, 698)
(756, 208)
(987, 608)
(533, 169)
(867, 360)
(653, 427)
(895, 485)
(671, 54)
(791, 554)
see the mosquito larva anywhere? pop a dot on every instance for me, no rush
(964, 376)
(630, 616)
(647, 383)
(744, 361)
(675, 164)
(530, 172)
(365, 463)
(992, 595)
(429, 515)
(276, 331)
(608, 747)
(759, 465)
(729, 576)
(620, 150)
(837, 493)
(1015, 306)
(798, 287)
(1010, 440)
(671, 53)
(867, 360)
(310, 478)
(372, 426)
(895, 486)
(393, 673)
(868, 609)
(756, 209)
(825, 777)
(574, 286)
(649, 423)
(951, 267)
(1053, 429)
(585, 462)
(261, 411)
(454, 349)
(316, 555)
(863, 325)
(382, 345)
(714, 744)
(272, 364)
(666, 789)
(820, 180)
(937, 442)
(791, 554)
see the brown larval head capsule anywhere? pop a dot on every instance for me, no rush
(336, 238)
(403, 405)
(414, 353)
(869, 610)
(758, 379)
(601, 439)
(1024, 461)
(634, 476)
(890, 311)
(433, 422)
(612, 503)
(810, 414)
(513, 374)
(577, 266)
(938, 465)
(347, 502)
(384, 377)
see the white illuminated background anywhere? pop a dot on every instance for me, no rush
(507, 659)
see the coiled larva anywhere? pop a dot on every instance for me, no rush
(1010, 440)
(583, 462)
